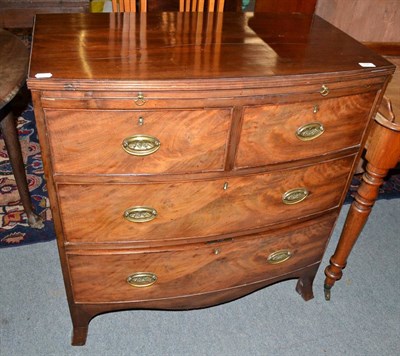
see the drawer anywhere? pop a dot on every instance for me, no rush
(277, 133)
(180, 210)
(196, 269)
(140, 142)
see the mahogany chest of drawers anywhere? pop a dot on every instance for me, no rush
(191, 158)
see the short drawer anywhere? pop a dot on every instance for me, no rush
(156, 212)
(196, 269)
(140, 142)
(277, 133)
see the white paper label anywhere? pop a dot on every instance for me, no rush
(367, 65)
(43, 75)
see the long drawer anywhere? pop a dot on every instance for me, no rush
(126, 142)
(277, 133)
(178, 210)
(195, 269)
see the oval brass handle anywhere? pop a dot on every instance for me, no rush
(279, 256)
(310, 131)
(140, 100)
(294, 196)
(324, 90)
(141, 279)
(140, 214)
(141, 145)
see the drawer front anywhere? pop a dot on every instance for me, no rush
(96, 213)
(277, 133)
(196, 269)
(140, 142)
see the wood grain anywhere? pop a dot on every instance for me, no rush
(90, 142)
(12, 51)
(20, 13)
(175, 47)
(195, 208)
(393, 89)
(196, 269)
(267, 129)
(285, 6)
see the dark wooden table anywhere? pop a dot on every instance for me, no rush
(13, 68)
(20, 13)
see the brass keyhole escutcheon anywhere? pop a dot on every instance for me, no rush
(140, 121)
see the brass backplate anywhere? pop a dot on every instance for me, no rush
(141, 279)
(279, 257)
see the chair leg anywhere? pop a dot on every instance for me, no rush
(13, 147)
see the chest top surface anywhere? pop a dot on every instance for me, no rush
(260, 48)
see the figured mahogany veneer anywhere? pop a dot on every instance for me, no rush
(194, 158)
(190, 141)
(198, 268)
(271, 125)
(198, 208)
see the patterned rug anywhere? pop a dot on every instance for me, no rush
(14, 229)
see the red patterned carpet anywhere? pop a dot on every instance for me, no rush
(14, 229)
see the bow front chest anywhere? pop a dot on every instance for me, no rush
(194, 158)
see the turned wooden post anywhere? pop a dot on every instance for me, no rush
(383, 153)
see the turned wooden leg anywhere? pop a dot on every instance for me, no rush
(13, 146)
(305, 283)
(357, 217)
(383, 153)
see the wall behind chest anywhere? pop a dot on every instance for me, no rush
(365, 20)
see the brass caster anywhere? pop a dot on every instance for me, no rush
(327, 292)
(35, 221)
